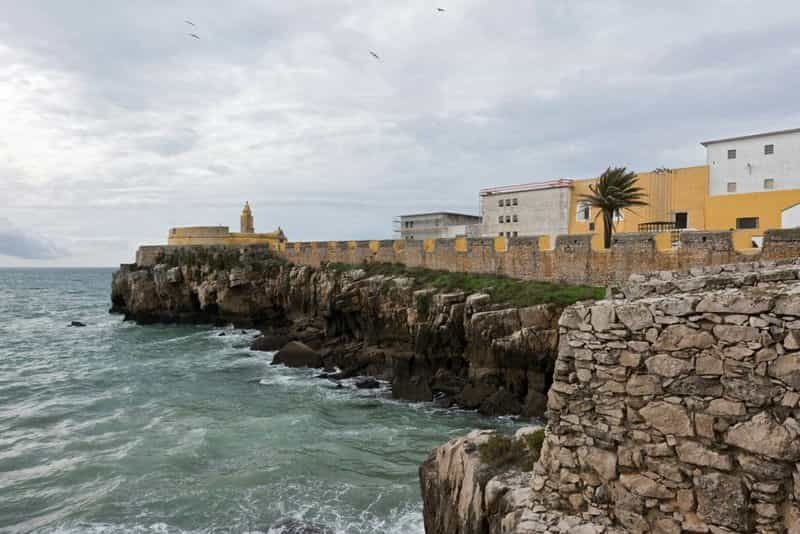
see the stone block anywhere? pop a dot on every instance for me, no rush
(667, 366)
(722, 500)
(667, 418)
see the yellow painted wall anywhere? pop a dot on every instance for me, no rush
(723, 210)
(687, 189)
(215, 236)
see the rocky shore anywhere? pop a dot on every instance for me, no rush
(452, 347)
(674, 408)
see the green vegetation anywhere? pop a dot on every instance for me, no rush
(502, 289)
(224, 258)
(615, 190)
(507, 451)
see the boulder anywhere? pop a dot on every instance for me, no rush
(297, 354)
(368, 383)
(269, 342)
(76, 323)
(294, 526)
(501, 402)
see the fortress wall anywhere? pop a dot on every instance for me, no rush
(677, 408)
(571, 259)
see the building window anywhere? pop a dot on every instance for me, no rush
(514, 201)
(769, 149)
(515, 218)
(516, 234)
(508, 202)
(508, 218)
(681, 220)
(500, 202)
(732, 154)
(591, 227)
(500, 219)
(746, 223)
(618, 216)
(769, 183)
(583, 212)
(731, 187)
(500, 234)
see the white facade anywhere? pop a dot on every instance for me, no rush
(437, 225)
(533, 209)
(754, 163)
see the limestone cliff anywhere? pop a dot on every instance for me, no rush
(675, 407)
(452, 347)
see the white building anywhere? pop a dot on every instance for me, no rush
(437, 225)
(537, 208)
(754, 163)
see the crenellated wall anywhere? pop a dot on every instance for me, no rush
(572, 259)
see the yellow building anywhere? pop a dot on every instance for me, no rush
(676, 199)
(221, 235)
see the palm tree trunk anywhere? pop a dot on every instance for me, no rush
(608, 228)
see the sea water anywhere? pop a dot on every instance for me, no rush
(116, 427)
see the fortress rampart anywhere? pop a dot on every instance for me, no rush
(572, 259)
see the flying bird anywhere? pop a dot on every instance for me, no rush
(376, 56)
(193, 35)
(189, 22)
(441, 9)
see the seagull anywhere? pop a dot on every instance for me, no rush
(193, 35)
(376, 56)
(189, 22)
(441, 9)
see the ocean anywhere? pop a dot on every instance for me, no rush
(115, 427)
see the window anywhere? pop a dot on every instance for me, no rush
(515, 218)
(508, 218)
(591, 227)
(500, 219)
(769, 149)
(513, 201)
(508, 202)
(618, 216)
(731, 187)
(746, 223)
(500, 234)
(681, 220)
(583, 212)
(500, 202)
(516, 234)
(769, 183)
(732, 154)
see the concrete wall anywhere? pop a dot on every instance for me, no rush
(435, 225)
(538, 212)
(783, 165)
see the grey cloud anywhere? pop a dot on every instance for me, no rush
(18, 243)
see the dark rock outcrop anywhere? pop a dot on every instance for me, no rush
(454, 347)
(297, 354)
(76, 323)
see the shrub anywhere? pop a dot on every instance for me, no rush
(506, 451)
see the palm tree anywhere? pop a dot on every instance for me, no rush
(614, 191)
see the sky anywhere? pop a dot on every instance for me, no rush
(117, 124)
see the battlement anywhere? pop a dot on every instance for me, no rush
(573, 258)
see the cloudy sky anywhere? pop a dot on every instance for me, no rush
(117, 125)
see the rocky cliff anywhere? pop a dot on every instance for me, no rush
(674, 408)
(450, 346)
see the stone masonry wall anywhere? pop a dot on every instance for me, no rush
(674, 406)
(572, 259)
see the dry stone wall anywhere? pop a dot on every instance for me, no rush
(674, 406)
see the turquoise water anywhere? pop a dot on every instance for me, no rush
(122, 428)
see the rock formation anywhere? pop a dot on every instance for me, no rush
(454, 347)
(673, 408)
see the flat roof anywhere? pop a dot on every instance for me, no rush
(751, 136)
(530, 186)
(440, 213)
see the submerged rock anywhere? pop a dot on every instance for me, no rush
(76, 323)
(368, 383)
(269, 342)
(297, 354)
(294, 526)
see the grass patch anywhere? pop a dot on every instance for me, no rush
(506, 451)
(501, 288)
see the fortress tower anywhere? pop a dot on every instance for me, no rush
(246, 220)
